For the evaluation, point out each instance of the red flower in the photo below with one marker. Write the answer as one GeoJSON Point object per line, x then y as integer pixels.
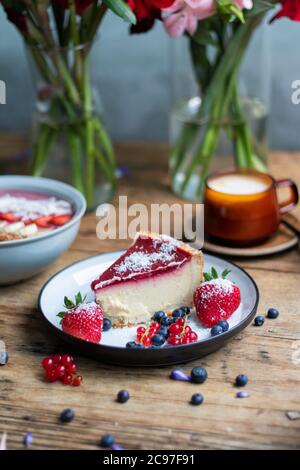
{"type": "Point", "coordinates": [289, 9]}
{"type": "Point", "coordinates": [17, 18]}
{"type": "Point", "coordinates": [146, 12]}
{"type": "Point", "coordinates": [80, 5]}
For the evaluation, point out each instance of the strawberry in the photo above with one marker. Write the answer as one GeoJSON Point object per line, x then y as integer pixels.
{"type": "Point", "coordinates": [216, 299]}
{"type": "Point", "coordinates": [60, 220]}
{"type": "Point", "coordinates": [9, 217]}
{"type": "Point", "coordinates": [83, 320]}
{"type": "Point", "coordinates": [43, 221]}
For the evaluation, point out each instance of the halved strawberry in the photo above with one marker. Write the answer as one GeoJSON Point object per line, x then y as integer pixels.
{"type": "Point", "coordinates": [60, 220]}
{"type": "Point", "coordinates": [9, 217]}
{"type": "Point", "coordinates": [44, 221]}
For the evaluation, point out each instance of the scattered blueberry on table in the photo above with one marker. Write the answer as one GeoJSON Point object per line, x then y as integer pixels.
{"type": "Point", "coordinates": [242, 394]}
{"type": "Point", "coordinates": [3, 358]}
{"type": "Point", "coordinates": [199, 375]}
{"type": "Point", "coordinates": [216, 330]}
{"type": "Point", "coordinates": [180, 375]}
{"type": "Point", "coordinates": [28, 439]}
{"type": "Point", "coordinates": [123, 396]}
{"type": "Point", "coordinates": [259, 320]}
{"type": "Point", "coordinates": [106, 324]}
{"type": "Point", "coordinates": [272, 313]}
{"type": "Point", "coordinates": [107, 441]}
{"type": "Point", "coordinates": [197, 399]}
{"type": "Point", "coordinates": [67, 415]}
{"type": "Point", "coordinates": [116, 447]}
{"type": "Point", "coordinates": [241, 380]}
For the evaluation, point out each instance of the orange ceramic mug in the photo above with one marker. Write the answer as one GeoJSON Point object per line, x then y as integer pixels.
{"type": "Point", "coordinates": [241, 207]}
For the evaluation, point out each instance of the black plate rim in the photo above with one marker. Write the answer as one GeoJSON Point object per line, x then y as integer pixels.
{"type": "Point", "coordinates": [89, 347]}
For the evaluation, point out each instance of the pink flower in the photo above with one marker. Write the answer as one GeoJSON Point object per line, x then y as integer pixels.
{"type": "Point", "coordinates": [183, 15]}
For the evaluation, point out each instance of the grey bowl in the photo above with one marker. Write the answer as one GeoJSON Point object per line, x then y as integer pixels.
{"type": "Point", "coordinates": [21, 259]}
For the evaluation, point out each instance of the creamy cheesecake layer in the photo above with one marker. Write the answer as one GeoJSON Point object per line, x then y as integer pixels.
{"type": "Point", "coordinates": [130, 303]}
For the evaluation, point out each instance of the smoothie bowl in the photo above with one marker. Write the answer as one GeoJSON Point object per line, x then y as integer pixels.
{"type": "Point", "coordinates": [39, 219]}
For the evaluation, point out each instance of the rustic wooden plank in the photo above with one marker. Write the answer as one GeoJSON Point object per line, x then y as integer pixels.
{"type": "Point", "coordinates": [158, 415]}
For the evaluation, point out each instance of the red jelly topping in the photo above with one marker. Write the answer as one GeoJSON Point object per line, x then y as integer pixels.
{"type": "Point", "coordinates": [145, 258]}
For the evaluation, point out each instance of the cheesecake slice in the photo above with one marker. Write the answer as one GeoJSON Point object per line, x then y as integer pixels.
{"type": "Point", "coordinates": [156, 273]}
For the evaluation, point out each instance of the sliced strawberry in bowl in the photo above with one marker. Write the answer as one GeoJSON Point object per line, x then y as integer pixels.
{"type": "Point", "coordinates": [59, 220]}
{"type": "Point", "coordinates": [44, 221]}
{"type": "Point", "coordinates": [9, 217]}
{"type": "Point", "coordinates": [216, 299]}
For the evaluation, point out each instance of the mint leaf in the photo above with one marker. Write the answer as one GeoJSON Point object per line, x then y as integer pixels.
{"type": "Point", "coordinates": [225, 273]}
{"type": "Point", "coordinates": [68, 303]}
{"type": "Point", "coordinates": [207, 276]}
{"type": "Point", "coordinates": [214, 273]}
{"type": "Point", "coordinates": [61, 314]}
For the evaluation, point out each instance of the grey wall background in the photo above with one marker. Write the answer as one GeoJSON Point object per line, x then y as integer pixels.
{"type": "Point", "coordinates": [134, 77]}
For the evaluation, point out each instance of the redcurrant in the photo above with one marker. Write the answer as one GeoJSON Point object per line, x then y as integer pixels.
{"type": "Point", "coordinates": [77, 381]}
{"type": "Point", "coordinates": [56, 358]}
{"type": "Point", "coordinates": [59, 371]}
{"type": "Point", "coordinates": [67, 379]}
{"type": "Point", "coordinates": [147, 340]}
{"type": "Point", "coordinates": [193, 336]}
{"type": "Point", "coordinates": [174, 329]}
{"type": "Point", "coordinates": [188, 329]}
{"type": "Point", "coordinates": [72, 368]}
{"type": "Point", "coordinates": [50, 375]}
{"type": "Point", "coordinates": [66, 359]}
{"type": "Point", "coordinates": [140, 330]}
{"type": "Point", "coordinates": [180, 321]}
{"type": "Point", "coordinates": [47, 363]}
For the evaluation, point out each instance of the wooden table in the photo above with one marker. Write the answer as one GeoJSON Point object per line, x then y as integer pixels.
{"type": "Point", "coordinates": [158, 415]}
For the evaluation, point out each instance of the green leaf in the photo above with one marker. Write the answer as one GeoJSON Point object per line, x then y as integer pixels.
{"type": "Point", "coordinates": [78, 298]}
{"type": "Point", "coordinates": [225, 273]}
{"type": "Point", "coordinates": [204, 38]}
{"type": "Point", "coordinates": [121, 9]}
{"type": "Point", "coordinates": [214, 273]}
{"type": "Point", "coordinates": [68, 303]}
{"type": "Point", "coordinates": [207, 277]}
{"type": "Point", "coordinates": [259, 7]}
{"type": "Point", "coordinates": [61, 314]}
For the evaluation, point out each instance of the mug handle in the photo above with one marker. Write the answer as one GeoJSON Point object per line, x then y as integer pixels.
{"type": "Point", "coordinates": [293, 200]}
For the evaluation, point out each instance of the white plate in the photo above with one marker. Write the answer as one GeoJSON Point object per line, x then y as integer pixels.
{"type": "Point", "coordinates": [79, 276]}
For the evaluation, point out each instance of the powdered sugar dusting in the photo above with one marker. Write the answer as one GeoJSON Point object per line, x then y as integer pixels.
{"type": "Point", "coordinates": [31, 209]}
{"type": "Point", "coordinates": [142, 261]}
{"type": "Point", "coordinates": [90, 308]}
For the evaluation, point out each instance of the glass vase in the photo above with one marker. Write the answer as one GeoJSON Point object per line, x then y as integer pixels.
{"type": "Point", "coordinates": [219, 119]}
{"type": "Point", "coordinates": [69, 139]}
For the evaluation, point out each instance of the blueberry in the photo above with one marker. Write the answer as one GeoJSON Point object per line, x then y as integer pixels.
{"type": "Point", "coordinates": [187, 310]}
{"type": "Point", "coordinates": [67, 415]}
{"type": "Point", "coordinates": [106, 324]}
{"type": "Point", "coordinates": [123, 396]}
{"type": "Point", "coordinates": [131, 345]}
{"type": "Point", "coordinates": [167, 321]}
{"type": "Point", "coordinates": [158, 316]}
{"type": "Point", "coordinates": [158, 340]}
{"type": "Point", "coordinates": [139, 346]}
{"type": "Point", "coordinates": [197, 399]}
{"type": "Point", "coordinates": [107, 440]}
{"type": "Point", "coordinates": [272, 313]}
{"type": "Point", "coordinates": [199, 375]}
{"type": "Point", "coordinates": [216, 330]}
{"type": "Point", "coordinates": [241, 380]}
{"type": "Point", "coordinates": [163, 331]}
{"type": "Point", "coordinates": [242, 394]}
{"type": "Point", "coordinates": [224, 325]}
{"type": "Point", "coordinates": [259, 321]}
{"type": "Point", "coordinates": [178, 313]}
{"type": "Point", "coordinates": [3, 358]}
